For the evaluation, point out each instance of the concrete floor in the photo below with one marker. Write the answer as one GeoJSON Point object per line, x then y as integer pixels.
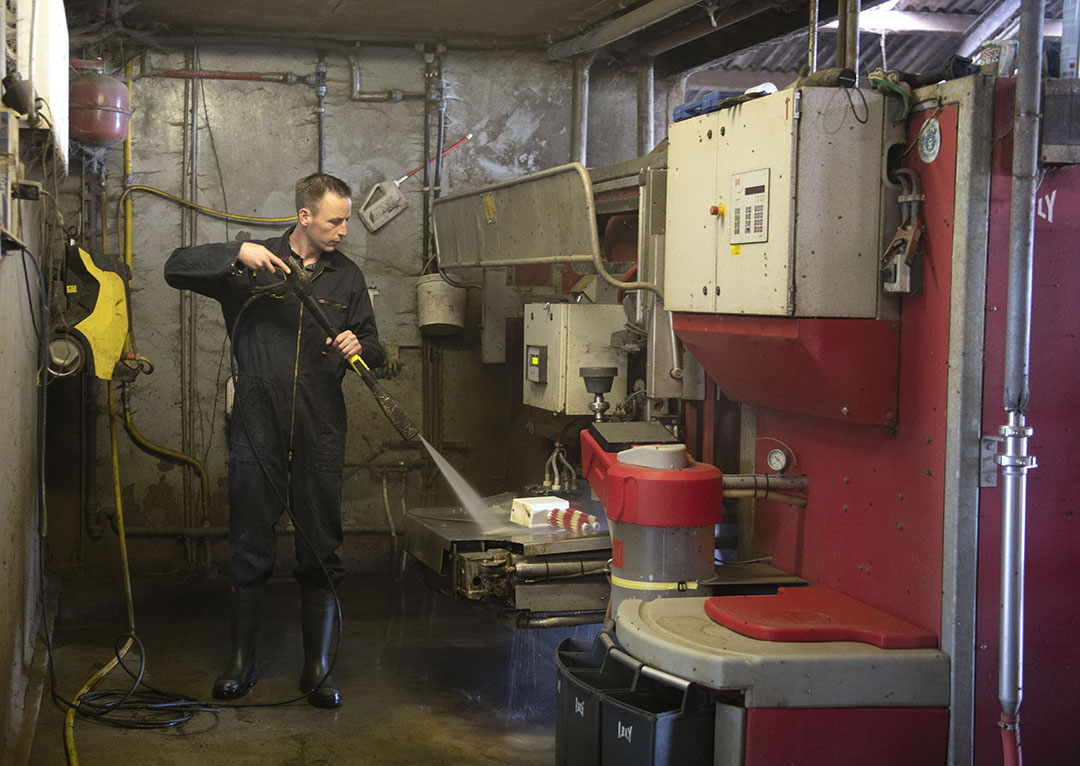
{"type": "Point", "coordinates": [425, 680]}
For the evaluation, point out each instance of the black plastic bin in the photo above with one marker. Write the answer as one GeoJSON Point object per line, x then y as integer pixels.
{"type": "Point", "coordinates": [657, 725]}
{"type": "Point", "coordinates": [585, 674]}
{"type": "Point", "coordinates": [612, 710]}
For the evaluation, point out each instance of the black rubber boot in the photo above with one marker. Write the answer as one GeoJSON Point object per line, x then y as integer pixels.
{"type": "Point", "coordinates": [240, 674]}
{"type": "Point", "coordinates": [317, 620]}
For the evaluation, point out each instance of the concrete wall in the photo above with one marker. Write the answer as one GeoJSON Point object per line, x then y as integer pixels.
{"type": "Point", "coordinates": [254, 141]}
{"type": "Point", "coordinates": [19, 513]}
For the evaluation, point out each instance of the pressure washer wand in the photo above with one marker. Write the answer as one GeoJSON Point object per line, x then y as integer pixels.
{"type": "Point", "coordinates": [297, 279]}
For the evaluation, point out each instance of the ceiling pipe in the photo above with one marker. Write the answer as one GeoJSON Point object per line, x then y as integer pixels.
{"type": "Point", "coordinates": [646, 106]}
{"type": "Point", "coordinates": [579, 110]}
{"type": "Point", "coordinates": [1014, 459]}
{"type": "Point", "coordinates": [287, 78]}
{"type": "Point", "coordinates": [618, 28]}
{"type": "Point", "coordinates": [811, 53]}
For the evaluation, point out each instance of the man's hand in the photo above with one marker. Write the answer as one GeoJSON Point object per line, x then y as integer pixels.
{"type": "Point", "coordinates": [347, 344]}
{"type": "Point", "coordinates": [257, 258]}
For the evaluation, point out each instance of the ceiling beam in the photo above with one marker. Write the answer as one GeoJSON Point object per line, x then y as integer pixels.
{"type": "Point", "coordinates": [617, 28]}
{"type": "Point", "coordinates": [921, 23]}
{"type": "Point", "coordinates": [900, 22]}
{"type": "Point", "coordinates": [766, 26]}
{"type": "Point", "coordinates": [989, 22]}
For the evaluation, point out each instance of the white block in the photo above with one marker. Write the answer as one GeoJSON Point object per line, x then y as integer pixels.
{"type": "Point", "coordinates": [533, 511]}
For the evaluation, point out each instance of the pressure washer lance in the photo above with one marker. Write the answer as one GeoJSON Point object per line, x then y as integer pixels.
{"type": "Point", "coordinates": [298, 280]}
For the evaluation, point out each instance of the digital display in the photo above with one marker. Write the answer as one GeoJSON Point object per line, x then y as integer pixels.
{"type": "Point", "coordinates": [754, 190]}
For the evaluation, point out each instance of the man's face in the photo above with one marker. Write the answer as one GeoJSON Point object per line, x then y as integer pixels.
{"type": "Point", "coordinates": [325, 228]}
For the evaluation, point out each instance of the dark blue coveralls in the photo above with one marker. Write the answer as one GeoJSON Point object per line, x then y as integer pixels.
{"type": "Point", "coordinates": [289, 410]}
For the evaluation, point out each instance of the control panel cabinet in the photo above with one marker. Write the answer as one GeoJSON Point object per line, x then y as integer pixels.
{"type": "Point", "coordinates": [778, 206]}
{"type": "Point", "coordinates": [560, 339]}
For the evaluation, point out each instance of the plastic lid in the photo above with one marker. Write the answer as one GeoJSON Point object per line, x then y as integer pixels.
{"type": "Point", "coordinates": [815, 613]}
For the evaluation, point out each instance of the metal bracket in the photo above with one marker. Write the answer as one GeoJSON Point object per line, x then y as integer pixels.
{"type": "Point", "coordinates": [988, 449]}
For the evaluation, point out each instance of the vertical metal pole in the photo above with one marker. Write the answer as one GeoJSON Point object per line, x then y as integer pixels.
{"type": "Point", "coordinates": [320, 110]}
{"type": "Point", "coordinates": [646, 106]}
{"type": "Point", "coordinates": [579, 110]}
{"type": "Point", "coordinates": [841, 33]}
{"type": "Point", "coordinates": [1014, 460]}
{"type": "Point", "coordinates": [851, 37]}
{"type": "Point", "coordinates": [811, 63]}
{"type": "Point", "coordinates": [188, 323]}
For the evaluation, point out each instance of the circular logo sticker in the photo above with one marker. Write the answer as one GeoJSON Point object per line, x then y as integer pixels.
{"type": "Point", "coordinates": [929, 141]}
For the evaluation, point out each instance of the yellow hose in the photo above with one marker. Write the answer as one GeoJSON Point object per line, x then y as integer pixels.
{"type": "Point", "coordinates": [69, 719]}
{"type": "Point", "coordinates": [125, 203]}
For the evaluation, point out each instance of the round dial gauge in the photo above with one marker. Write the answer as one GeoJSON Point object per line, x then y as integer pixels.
{"type": "Point", "coordinates": [777, 460]}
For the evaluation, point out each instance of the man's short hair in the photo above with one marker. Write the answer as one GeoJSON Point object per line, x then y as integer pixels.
{"type": "Point", "coordinates": [310, 190]}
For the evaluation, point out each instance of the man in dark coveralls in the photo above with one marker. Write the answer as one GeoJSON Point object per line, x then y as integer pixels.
{"type": "Point", "coordinates": [287, 441]}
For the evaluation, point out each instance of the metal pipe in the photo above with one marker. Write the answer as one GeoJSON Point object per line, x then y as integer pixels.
{"type": "Point", "coordinates": [851, 37]}
{"type": "Point", "coordinates": [811, 63]}
{"type": "Point", "coordinates": [531, 569]}
{"type": "Point", "coordinates": [440, 133]}
{"type": "Point", "coordinates": [223, 531]}
{"type": "Point", "coordinates": [287, 78]}
{"type": "Point", "coordinates": [640, 667]}
{"type": "Point", "coordinates": [532, 622]}
{"type": "Point", "coordinates": [841, 33]}
{"type": "Point", "coordinates": [646, 106]}
{"type": "Point", "coordinates": [392, 96]}
{"type": "Point", "coordinates": [777, 497]}
{"type": "Point", "coordinates": [579, 110]}
{"type": "Point", "coordinates": [31, 115]}
{"type": "Point", "coordinates": [764, 481]}
{"type": "Point", "coordinates": [534, 261]}
{"type": "Point", "coordinates": [320, 110]}
{"type": "Point", "coordinates": [184, 532]}
{"type": "Point", "coordinates": [1014, 460]}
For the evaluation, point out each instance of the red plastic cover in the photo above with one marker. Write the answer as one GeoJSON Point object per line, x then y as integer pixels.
{"type": "Point", "coordinates": [815, 613]}
{"type": "Point", "coordinates": [651, 497]}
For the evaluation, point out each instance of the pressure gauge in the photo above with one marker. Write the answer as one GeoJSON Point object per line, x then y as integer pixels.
{"type": "Point", "coordinates": [777, 460]}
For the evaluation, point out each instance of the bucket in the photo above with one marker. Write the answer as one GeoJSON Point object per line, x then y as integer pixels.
{"type": "Point", "coordinates": [440, 307]}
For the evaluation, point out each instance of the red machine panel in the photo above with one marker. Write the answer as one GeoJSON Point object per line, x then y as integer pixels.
{"type": "Point", "coordinates": [873, 526]}
{"type": "Point", "coordinates": [843, 369]}
{"type": "Point", "coordinates": [902, 736]}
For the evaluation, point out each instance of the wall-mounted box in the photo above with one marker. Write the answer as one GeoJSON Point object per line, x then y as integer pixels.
{"type": "Point", "coordinates": [778, 206]}
{"type": "Point", "coordinates": [560, 339]}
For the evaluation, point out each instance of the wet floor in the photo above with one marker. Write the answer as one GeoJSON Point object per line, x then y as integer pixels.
{"type": "Point", "coordinates": [425, 679]}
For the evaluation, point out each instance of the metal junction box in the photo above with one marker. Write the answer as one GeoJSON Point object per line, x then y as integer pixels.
{"type": "Point", "coordinates": [560, 339]}
{"type": "Point", "coordinates": [778, 207]}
